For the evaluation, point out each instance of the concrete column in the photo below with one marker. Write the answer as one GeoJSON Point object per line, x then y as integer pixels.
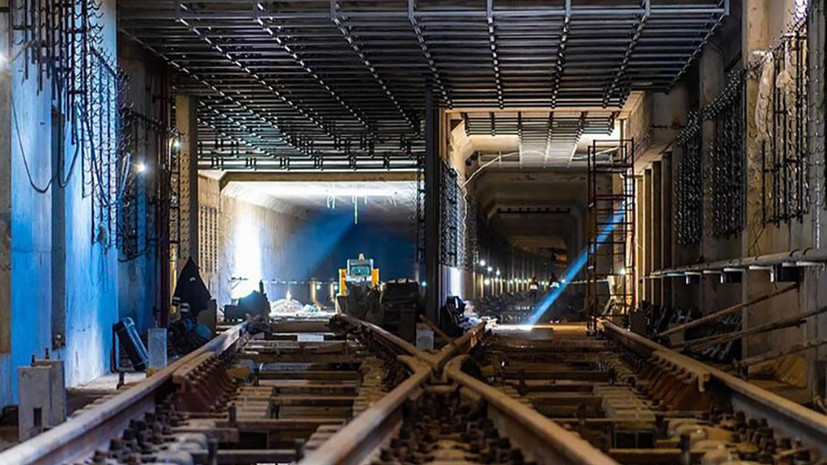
{"type": "Point", "coordinates": [432, 207]}
{"type": "Point", "coordinates": [185, 121]}
{"type": "Point", "coordinates": [640, 239]}
{"type": "Point", "coordinates": [648, 239]}
{"type": "Point", "coordinates": [5, 186]}
{"type": "Point", "coordinates": [816, 284]}
{"type": "Point", "coordinates": [666, 227]}
{"type": "Point", "coordinates": [683, 295]}
{"type": "Point", "coordinates": [756, 37]}
{"type": "Point", "coordinates": [711, 67]}
{"type": "Point", "coordinates": [657, 224]}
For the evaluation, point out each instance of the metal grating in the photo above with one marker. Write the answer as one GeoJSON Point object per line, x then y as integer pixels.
{"type": "Point", "coordinates": [543, 137]}
{"type": "Point", "coordinates": [329, 84]}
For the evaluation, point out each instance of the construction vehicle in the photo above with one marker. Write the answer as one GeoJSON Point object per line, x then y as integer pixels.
{"type": "Point", "coordinates": [359, 290]}
{"type": "Point", "coordinates": [359, 273]}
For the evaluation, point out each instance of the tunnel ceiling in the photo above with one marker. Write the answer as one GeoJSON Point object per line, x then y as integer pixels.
{"type": "Point", "coordinates": [540, 211]}
{"type": "Point", "coordinates": [392, 203]}
{"type": "Point", "coordinates": [340, 84]}
{"type": "Point", "coordinates": [544, 138]}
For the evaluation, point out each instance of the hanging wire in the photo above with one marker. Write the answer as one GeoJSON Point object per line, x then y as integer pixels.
{"type": "Point", "coordinates": [61, 43]}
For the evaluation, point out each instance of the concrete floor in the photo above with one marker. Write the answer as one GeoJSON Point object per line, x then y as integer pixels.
{"type": "Point", "coordinates": [108, 382]}
{"type": "Point", "coordinates": [77, 397]}
{"type": "Point", "coordinates": [81, 395]}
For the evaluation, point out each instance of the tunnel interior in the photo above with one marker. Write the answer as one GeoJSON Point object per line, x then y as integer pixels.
{"type": "Point", "coordinates": [425, 166]}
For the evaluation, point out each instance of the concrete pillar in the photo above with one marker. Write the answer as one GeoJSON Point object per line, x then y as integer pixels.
{"type": "Point", "coordinates": [432, 207]}
{"type": "Point", "coordinates": [648, 242]}
{"type": "Point", "coordinates": [666, 227]}
{"type": "Point", "coordinates": [711, 66]}
{"type": "Point", "coordinates": [657, 224]}
{"type": "Point", "coordinates": [684, 296]}
{"type": "Point", "coordinates": [640, 239]}
{"type": "Point", "coordinates": [185, 121]}
{"type": "Point", "coordinates": [756, 37]}
{"type": "Point", "coordinates": [5, 185]}
{"type": "Point", "coordinates": [816, 284]}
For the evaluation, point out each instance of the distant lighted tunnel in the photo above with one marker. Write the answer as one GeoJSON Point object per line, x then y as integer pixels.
{"type": "Point", "coordinates": [573, 269]}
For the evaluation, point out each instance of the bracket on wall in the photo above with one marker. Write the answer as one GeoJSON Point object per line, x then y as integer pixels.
{"type": "Point", "coordinates": [732, 275]}
{"type": "Point", "coordinates": [693, 277]}
{"type": "Point", "coordinates": [786, 274]}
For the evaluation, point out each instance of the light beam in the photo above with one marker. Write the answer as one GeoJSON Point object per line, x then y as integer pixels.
{"type": "Point", "coordinates": [573, 269]}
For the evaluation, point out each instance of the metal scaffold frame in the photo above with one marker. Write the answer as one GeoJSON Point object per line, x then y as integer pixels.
{"type": "Point", "coordinates": [610, 237]}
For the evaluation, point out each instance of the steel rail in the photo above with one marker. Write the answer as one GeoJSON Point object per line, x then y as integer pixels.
{"type": "Point", "coordinates": [387, 339]}
{"type": "Point", "coordinates": [83, 434]}
{"type": "Point", "coordinates": [544, 440]}
{"type": "Point", "coordinates": [782, 414]}
{"type": "Point", "coordinates": [362, 436]}
{"type": "Point", "coordinates": [460, 346]}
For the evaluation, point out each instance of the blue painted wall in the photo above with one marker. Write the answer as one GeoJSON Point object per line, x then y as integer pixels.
{"type": "Point", "coordinates": [391, 248]}
{"type": "Point", "coordinates": [91, 304]}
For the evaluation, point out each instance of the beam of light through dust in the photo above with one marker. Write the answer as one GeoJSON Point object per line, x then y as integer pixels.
{"type": "Point", "coordinates": [573, 269]}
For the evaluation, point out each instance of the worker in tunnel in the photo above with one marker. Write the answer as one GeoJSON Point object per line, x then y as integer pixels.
{"type": "Point", "coordinates": [533, 288]}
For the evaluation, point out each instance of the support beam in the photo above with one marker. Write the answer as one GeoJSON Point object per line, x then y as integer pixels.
{"type": "Point", "coordinates": [666, 227]}
{"type": "Point", "coordinates": [560, 64]}
{"type": "Point", "coordinates": [344, 30]}
{"type": "Point", "coordinates": [270, 29]}
{"type": "Point", "coordinates": [495, 58]}
{"type": "Point", "coordinates": [640, 241]}
{"type": "Point", "coordinates": [648, 239]}
{"type": "Point", "coordinates": [756, 37]}
{"type": "Point", "coordinates": [426, 52]}
{"type": "Point", "coordinates": [657, 225]}
{"type": "Point", "coordinates": [186, 122]}
{"type": "Point", "coordinates": [618, 84]}
{"type": "Point", "coordinates": [320, 176]}
{"type": "Point", "coordinates": [432, 207]}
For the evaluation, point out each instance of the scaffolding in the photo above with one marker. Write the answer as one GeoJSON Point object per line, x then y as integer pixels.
{"type": "Point", "coordinates": [610, 265]}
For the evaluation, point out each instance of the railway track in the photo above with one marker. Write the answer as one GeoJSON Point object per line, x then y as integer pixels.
{"type": "Point", "coordinates": [348, 392]}
{"type": "Point", "coordinates": [578, 399]}
{"type": "Point", "coordinates": [262, 394]}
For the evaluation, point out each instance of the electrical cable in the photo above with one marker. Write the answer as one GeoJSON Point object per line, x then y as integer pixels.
{"type": "Point", "coordinates": [38, 189]}
{"type": "Point", "coordinates": [489, 163]}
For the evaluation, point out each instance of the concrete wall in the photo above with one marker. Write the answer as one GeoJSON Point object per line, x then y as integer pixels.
{"type": "Point", "coordinates": [43, 225]}
{"type": "Point", "coordinates": [138, 277]}
{"type": "Point", "coordinates": [262, 239]}
{"type": "Point", "coordinates": [753, 26]}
